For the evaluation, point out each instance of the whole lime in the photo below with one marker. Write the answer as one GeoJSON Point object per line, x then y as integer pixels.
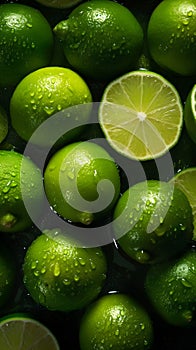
{"type": "Point", "coordinates": [171, 36]}
{"type": "Point", "coordinates": [61, 276]}
{"type": "Point", "coordinates": [26, 42]}
{"type": "Point", "coordinates": [82, 182]}
{"type": "Point", "coordinates": [43, 93]}
{"type": "Point", "coordinates": [116, 321]}
{"type": "Point", "coordinates": [20, 183]}
{"type": "Point", "coordinates": [101, 39]}
{"type": "Point", "coordinates": [153, 221]}
{"type": "Point", "coordinates": [171, 288]}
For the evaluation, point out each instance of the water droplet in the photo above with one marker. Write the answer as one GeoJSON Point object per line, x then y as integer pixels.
{"type": "Point", "coordinates": [93, 266]}
{"type": "Point", "coordinates": [82, 261]}
{"type": "Point", "coordinates": [117, 332]}
{"type": "Point", "coordinates": [186, 283]}
{"type": "Point", "coordinates": [34, 265]}
{"type": "Point", "coordinates": [36, 273]}
{"type": "Point", "coordinates": [33, 45]}
{"type": "Point", "coordinates": [185, 22]}
{"type": "Point", "coordinates": [29, 25]}
{"type": "Point", "coordinates": [142, 325]}
{"type": "Point", "coordinates": [57, 270]}
{"type": "Point", "coordinates": [13, 184]}
{"type": "Point", "coordinates": [66, 282]}
{"type": "Point", "coordinates": [6, 189]}
{"type": "Point", "coordinates": [76, 278]}
{"type": "Point", "coordinates": [43, 270]}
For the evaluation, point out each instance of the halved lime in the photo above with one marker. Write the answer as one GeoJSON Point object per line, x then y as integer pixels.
{"type": "Point", "coordinates": [190, 113]}
{"type": "Point", "coordinates": [186, 182]}
{"type": "Point", "coordinates": [18, 332]}
{"type": "Point", "coordinates": [141, 115]}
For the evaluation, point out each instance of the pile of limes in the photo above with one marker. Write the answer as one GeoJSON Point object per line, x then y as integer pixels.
{"type": "Point", "coordinates": [97, 174]}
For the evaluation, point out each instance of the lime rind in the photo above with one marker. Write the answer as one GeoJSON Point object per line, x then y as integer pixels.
{"type": "Point", "coordinates": [141, 115]}
{"type": "Point", "coordinates": [186, 181]}
{"type": "Point", "coordinates": [190, 114]}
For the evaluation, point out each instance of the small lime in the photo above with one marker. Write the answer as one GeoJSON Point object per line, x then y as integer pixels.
{"type": "Point", "coordinates": [153, 221]}
{"type": "Point", "coordinates": [82, 182]}
{"type": "Point", "coordinates": [171, 36]}
{"type": "Point", "coordinates": [61, 276]}
{"type": "Point", "coordinates": [26, 42]}
{"type": "Point", "coordinates": [101, 39]}
{"type": "Point", "coordinates": [116, 321]}
{"type": "Point", "coordinates": [43, 93]}
{"type": "Point", "coordinates": [185, 180]}
{"type": "Point", "coordinates": [20, 180]}
{"type": "Point", "coordinates": [171, 288]}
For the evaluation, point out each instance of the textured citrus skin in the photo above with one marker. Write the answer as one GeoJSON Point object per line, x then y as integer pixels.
{"type": "Point", "coordinates": [76, 176]}
{"type": "Point", "coordinates": [59, 3]}
{"type": "Point", "coordinates": [171, 288]}
{"type": "Point", "coordinates": [61, 276]}
{"type": "Point", "coordinates": [26, 42]}
{"type": "Point", "coordinates": [171, 36]}
{"type": "Point", "coordinates": [155, 219]}
{"type": "Point", "coordinates": [118, 322]}
{"type": "Point", "coordinates": [20, 179]}
{"type": "Point", "coordinates": [101, 39]}
{"type": "Point", "coordinates": [43, 93]}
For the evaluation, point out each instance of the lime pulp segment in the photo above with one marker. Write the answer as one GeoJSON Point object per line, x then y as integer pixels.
{"type": "Point", "coordinates": [141, 115]}
{"type": "Point", "coordinates": [19, 333]}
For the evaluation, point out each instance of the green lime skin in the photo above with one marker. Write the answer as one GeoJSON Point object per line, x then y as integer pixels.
{"type": "Point", "coordinates": [43, 93]}
{"type": "Point", "coordinates": [171, 289]}
{"type": "Point", "coordinates": [61, 4]}
{"type": "Point", "coordinates": [62, 276]}
{"type": "Point", "coordinates": [82, 182]}
{"type": "Point", "coordinates": [7, 275]}
{"type": "Point", "coordinates": [116, 321]}
{"type": "Point", "coordinates": [3, 124]}
{"type": "Point", "coordinates": [171, 36]}
{"type": "Point", "coordinates": [26, 42]}
{"type": "Point", "coordinates": [101, 39]}
{"type": "Point", "coordinates": [153, 221]}
{"type": "Point", "coordinates": [20, 190]}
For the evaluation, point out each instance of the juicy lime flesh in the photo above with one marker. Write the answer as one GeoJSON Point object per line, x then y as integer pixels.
{"type": "Point", "coordinates": [19, 333]}
{"type": "Point", "coordinates": [186, 181]}
{"type": "Point", "coordinates": [141, 115]}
